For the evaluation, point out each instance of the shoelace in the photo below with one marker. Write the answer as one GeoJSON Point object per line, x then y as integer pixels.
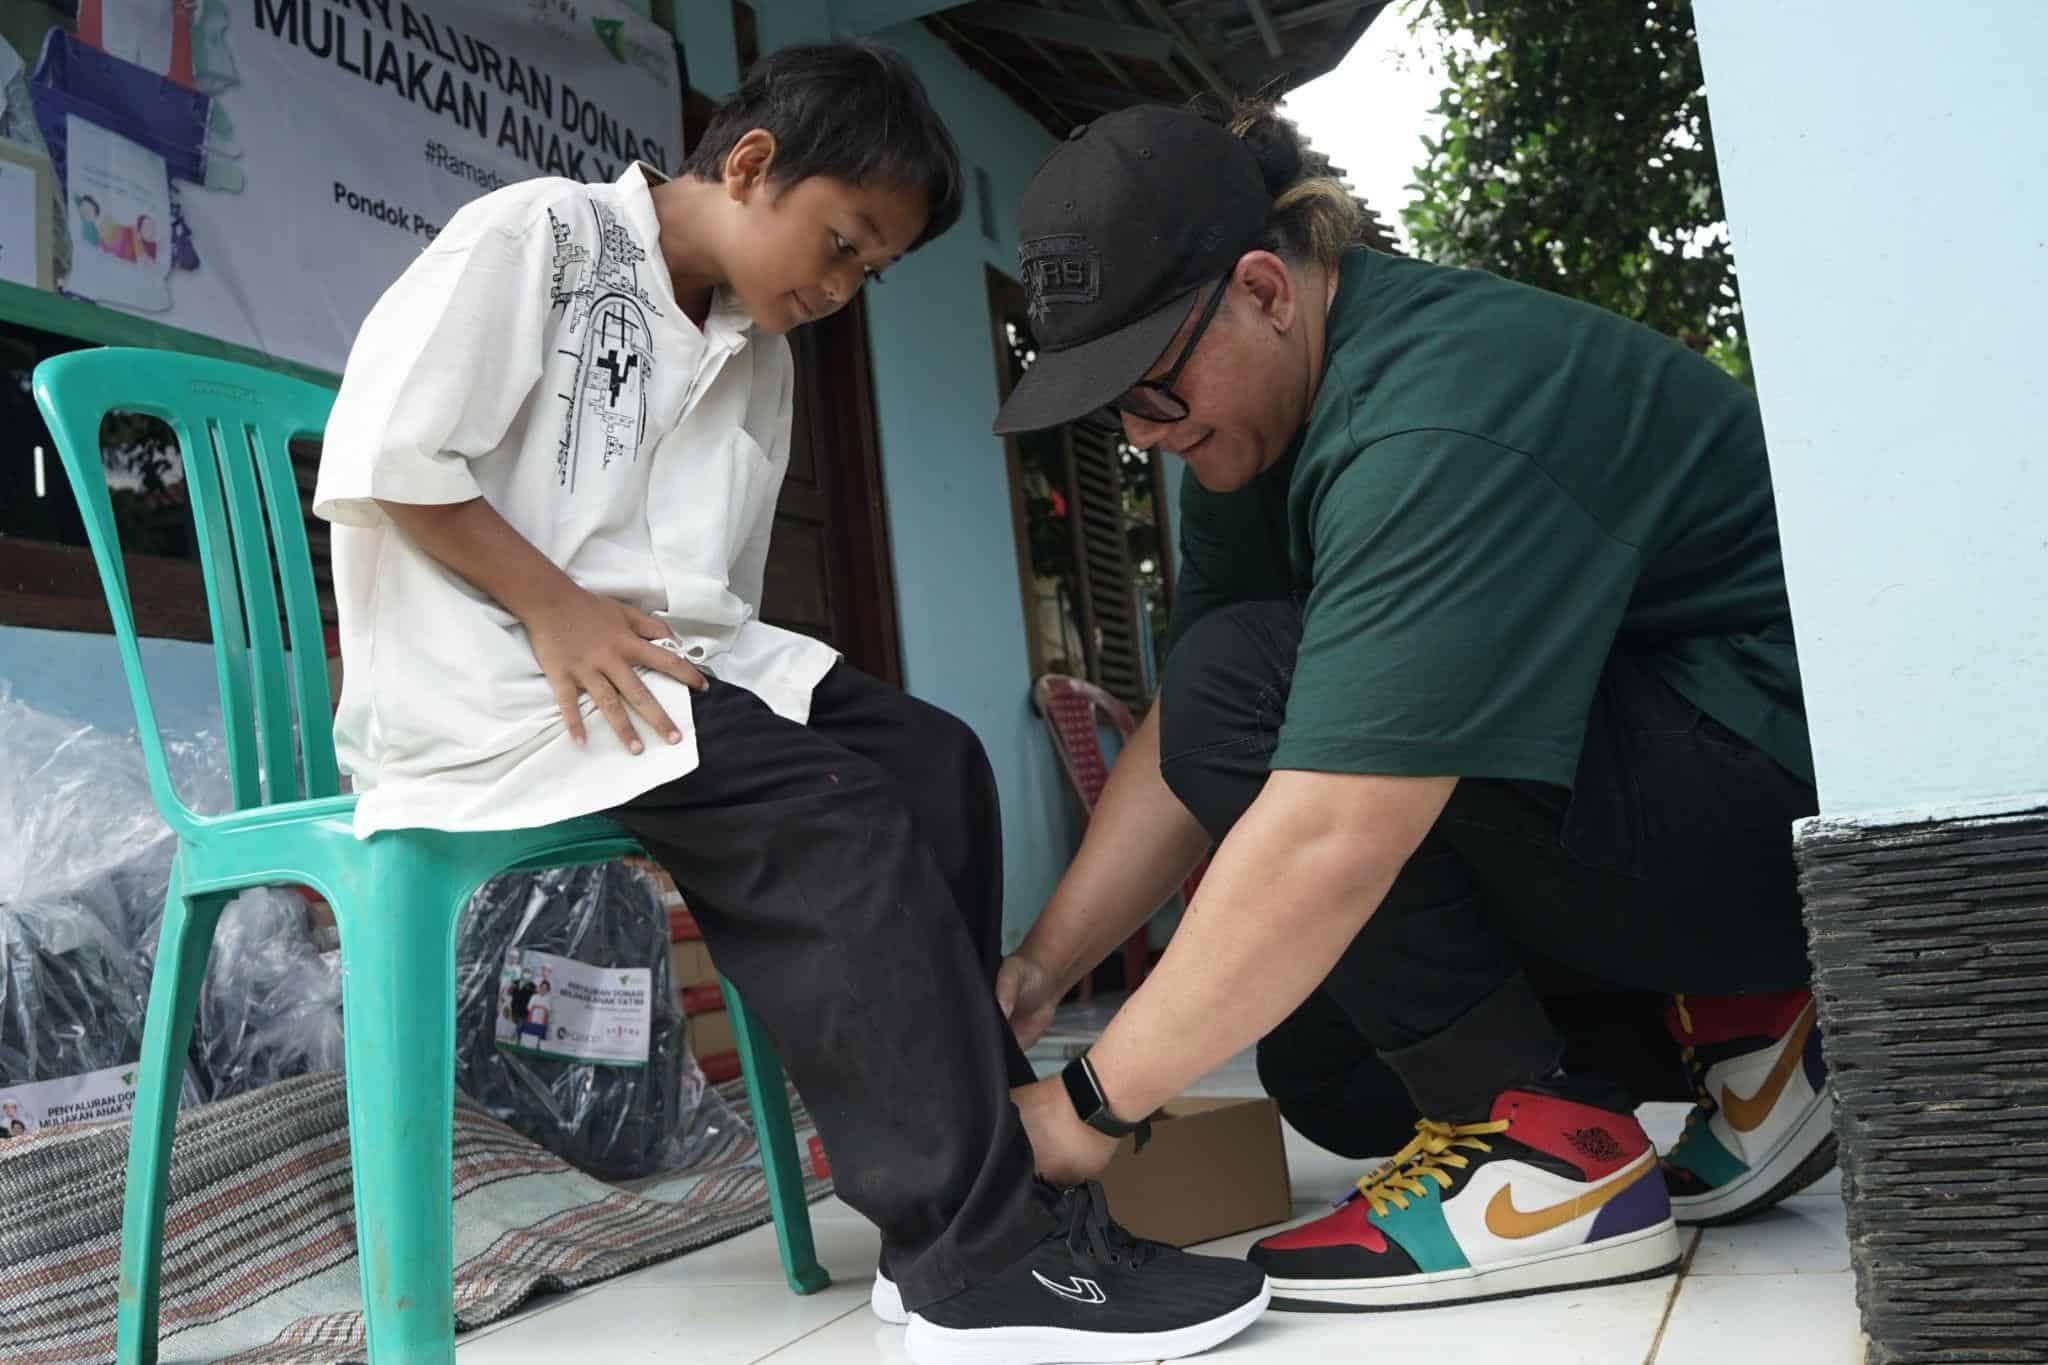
{"type": "Point", "coordinates": [1433, 1149]}
{"type": "Point", "coordinates": [1703, 1099]}
{"type": "Point", "coordinates": [1091, 1231]}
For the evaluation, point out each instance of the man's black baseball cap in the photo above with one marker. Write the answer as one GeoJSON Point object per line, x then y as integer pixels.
{"type": "Point", "coordinates": [1123, 225]}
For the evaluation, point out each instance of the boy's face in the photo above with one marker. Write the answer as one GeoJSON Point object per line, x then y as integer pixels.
{"type": "Point", "coordinates": [804, 249]}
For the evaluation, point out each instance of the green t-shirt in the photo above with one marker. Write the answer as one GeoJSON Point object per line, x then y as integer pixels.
{"type": "Point", "coordinates": [1498, 488]}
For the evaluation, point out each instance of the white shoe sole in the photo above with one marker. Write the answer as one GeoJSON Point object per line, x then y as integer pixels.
{"type": "Point", "coordinates": [1761, 1181]}
{"type": "Point", "coordinates": [930, 1344]}
{"type": "Point", "coordinates": [1612, 1260]}
{"type": "Point", "coordinates": [887, 1302]}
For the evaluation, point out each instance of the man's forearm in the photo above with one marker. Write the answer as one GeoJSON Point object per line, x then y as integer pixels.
{"type": "Point", "coordinates": [1140, 843]}
{"type": "Point", "coordinates": [1287, 892]}
{"type": "Point", "coordinates": [473, 540]}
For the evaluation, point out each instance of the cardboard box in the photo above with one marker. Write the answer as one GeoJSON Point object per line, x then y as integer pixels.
{"type": "Point", "coordinates": [711, 1034]}
{"type": "Point", "coordinates": [1214, 1167]}
{"type": "Point", "coordinates": [690, 965]}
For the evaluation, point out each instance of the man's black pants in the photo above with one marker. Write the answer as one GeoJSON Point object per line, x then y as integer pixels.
{"type": "Point", "coordinates": [848, 878]}
{"type": "Point", "coordinates": [1667, 868]}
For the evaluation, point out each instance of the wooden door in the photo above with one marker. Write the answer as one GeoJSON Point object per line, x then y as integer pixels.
{"type": "Point", "coordinates": [828, 571]}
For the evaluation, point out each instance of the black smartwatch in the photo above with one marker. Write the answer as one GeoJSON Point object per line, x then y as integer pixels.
{"type": "Point", "coordinates": [1085, 1092]}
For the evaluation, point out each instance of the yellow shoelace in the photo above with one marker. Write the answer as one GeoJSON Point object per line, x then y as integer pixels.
{"type": "Point", "coordinates": [1704, 1100]}
{"type": "Point", "coordinates": [1426, 1157]}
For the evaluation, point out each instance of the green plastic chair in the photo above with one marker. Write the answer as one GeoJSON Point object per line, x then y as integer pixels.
{"type": "Point", "coordinates": [396, 896]}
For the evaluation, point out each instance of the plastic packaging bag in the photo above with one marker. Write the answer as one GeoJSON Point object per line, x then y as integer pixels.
{"type": "Point", "coordinates": [271, 1006]}
{"type": "Point", "coordinates": [68, 1000]}
{"type": "Point", "coordinates": [532, 952]}
{"type": "Point", "coordinates": [80, 820]}
{"type": "Point", "coordinates": [84, 871]}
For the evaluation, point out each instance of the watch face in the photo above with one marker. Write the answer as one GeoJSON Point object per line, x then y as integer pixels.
{"type": "Point", "coordinates": [1081, 1091]}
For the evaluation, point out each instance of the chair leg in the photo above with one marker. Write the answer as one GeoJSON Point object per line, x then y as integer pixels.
{"type": "Point", "coordinates": [776, 1133]}
{"type": "Point", "coordinates": [398, 1034]}
{"type": "Point", "coordinates": [183, 944]}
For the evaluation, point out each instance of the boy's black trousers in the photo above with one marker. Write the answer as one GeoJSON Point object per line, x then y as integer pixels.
{"type": "Point", "coordinates": [848, 878]}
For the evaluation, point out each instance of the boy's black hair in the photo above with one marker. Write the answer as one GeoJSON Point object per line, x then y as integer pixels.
{"type": "Point", "coordinates": [853, 111]}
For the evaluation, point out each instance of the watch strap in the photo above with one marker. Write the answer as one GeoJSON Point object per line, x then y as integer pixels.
{"type": "Point", "coordinates": [1085, 1092]}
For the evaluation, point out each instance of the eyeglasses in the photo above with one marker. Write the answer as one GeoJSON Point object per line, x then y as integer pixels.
{"type": "Point", "coordinates": [1154, 400]}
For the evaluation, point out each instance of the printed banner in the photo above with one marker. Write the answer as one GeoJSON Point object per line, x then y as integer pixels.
{"type": "Point", "coordinates": [260, 170]}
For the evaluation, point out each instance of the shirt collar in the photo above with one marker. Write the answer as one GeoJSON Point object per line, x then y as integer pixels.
{"type": "Point", "coordinates": [727, 324]}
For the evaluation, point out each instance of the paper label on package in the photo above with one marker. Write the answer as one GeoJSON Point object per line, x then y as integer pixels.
{"type": "Point", "coordinates": [94, 1097]}
{"type": "Point", "coordinates": [557, 1007]}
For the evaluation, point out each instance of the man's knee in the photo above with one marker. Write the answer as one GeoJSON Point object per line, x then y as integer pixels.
{"type": "Point", "coordinates": [1222, 699]}
{"type": "Point", "coordinates": [1233, 668]}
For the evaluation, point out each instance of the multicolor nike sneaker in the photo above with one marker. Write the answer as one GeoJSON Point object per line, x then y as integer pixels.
{"type": "Point", "coordinates": [1547, 1194]}
{"type": "Point", "coordinates": [1763, 1126]}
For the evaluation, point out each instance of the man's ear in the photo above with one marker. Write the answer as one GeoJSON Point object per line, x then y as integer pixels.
{"type": "Point", "coordinates": [1271, 285]}
{"type": "Point", "coordinates": [747, 164]}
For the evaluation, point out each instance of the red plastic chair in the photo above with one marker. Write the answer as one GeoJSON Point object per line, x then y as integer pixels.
{"type": "Point", "coordinates": [1071, 707]}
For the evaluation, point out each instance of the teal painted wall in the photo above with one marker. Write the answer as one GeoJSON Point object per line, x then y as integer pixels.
{"type": "Point", "coordinates": [1893, 266]}
{"type": "Point", "coordinates": [78, 676]}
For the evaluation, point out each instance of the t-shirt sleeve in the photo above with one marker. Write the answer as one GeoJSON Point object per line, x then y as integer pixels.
{"type": "Point", "coordinates": [1463, 608]}
{"type": "Point", "coordinates": [439, 370]}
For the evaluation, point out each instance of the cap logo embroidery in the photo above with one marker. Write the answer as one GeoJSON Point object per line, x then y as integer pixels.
{"type": "Point", "coordinates": [1060, 269]}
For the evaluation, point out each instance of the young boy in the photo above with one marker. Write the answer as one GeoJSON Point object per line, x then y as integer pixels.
{"type": "Point", "coordinates": [552, 470]}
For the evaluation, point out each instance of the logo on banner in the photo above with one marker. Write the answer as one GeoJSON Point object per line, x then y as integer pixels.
{"type": "Point", "coordinates": [625, 48]}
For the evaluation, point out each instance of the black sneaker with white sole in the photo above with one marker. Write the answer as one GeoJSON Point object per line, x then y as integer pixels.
{"type": "Point", "coordinates": [1091, 1292]}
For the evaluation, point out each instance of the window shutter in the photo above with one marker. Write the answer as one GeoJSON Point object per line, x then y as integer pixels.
{"type": "Point", "coordinates": [1108, 600]}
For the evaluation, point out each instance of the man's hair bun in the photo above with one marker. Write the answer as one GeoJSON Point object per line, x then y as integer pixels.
{"type": "Point", "coordinates": [1273, 143]}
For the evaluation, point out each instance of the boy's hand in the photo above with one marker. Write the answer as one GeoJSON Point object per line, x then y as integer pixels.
{"type": "Point", "coordinates": [1027, 995]}
{"type": "Point", "coordinates": [587, 643]}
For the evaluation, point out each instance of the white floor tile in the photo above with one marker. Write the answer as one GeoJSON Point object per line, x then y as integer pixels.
{"type": "Point", "coordinates": [1593, 1327]}
{"type": "Point", "coordinates": [834, 1207]}
{"type": "Point", "coordinates": [1798, 1237]}
{"type": "Point", "coordinates": [846, 1247]}
{"type": "Point", "coordinates": [858, 1338]}
{"type": "Point", "coordinates": [1764, 1320]}
{"type": "Point", "coordinates": [717, 1325]}
{"type": "Point", "coordinates": [534, 1307]}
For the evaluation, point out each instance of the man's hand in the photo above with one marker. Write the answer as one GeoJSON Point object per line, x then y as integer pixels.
{"type": "Point", "coordinates": [587, 643]}
{"type": "Point", "coordinates": [1028, 996]}
{"type": "Point", "coordinates": [1066, 1150]}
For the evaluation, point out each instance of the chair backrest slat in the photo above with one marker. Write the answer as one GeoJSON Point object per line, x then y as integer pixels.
{"type": "Point", "coordinates": [234, 425]}
{"type": "Point", "coordinates": [301, 601]}
{"type": "Point", "coordinates": [203, 484]}
{"type": "Point", "coordinates": [234, 445]}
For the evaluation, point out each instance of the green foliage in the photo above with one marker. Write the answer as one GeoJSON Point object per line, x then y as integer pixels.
{"type": "Point", "coordinates": [1576, 156]}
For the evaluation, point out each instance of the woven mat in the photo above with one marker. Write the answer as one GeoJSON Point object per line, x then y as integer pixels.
{"type": "Point", "coordinates": [259, 1255]}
